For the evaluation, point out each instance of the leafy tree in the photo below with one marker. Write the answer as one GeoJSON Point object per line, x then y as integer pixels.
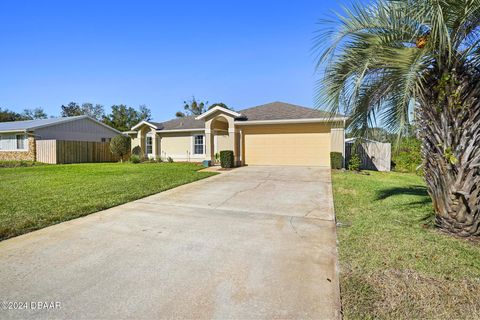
{"type": "Point", "coordinates": [120, 146]}
{"type": "Point", "coordinates": [37, 113]}
{"type": "Point", "coordinates": [192, 108]}
{"type": "Point", "coordinates": [195, 108]}
{"type": "Point", "coordinates": [8, 115]}
{"type": "Point", "coordinates": [407, 156]}
{"type": "Point", "coordinates": [123, 118]}
{"type": "Point", "coordinates": [94, 111]}
{"type": "Point", "coordinates": [144, 113]}
{"type": "Point", "coordinates": [354, 163]}
{"type": "Point", "coordinates": [87, 108]}
{"type": "Point", "coordinates": [219, 104]}
{"type": "Point", "coordinates": [71, 110]}
{"type": "Point", "coordinates": [388, 57]}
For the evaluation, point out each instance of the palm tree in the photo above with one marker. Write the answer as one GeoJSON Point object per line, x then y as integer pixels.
{"type": "Point", "coordinates": [386, 59]}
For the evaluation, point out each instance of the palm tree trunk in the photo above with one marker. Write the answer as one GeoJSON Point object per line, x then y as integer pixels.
{"type": "Point", "coordinates": [449, 116]}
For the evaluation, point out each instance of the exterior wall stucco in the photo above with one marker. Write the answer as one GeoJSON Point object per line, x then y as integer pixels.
{"type": "Point", "coordinates": [135, 143]}
{"type": "Point", "coordinates": [176, 146]}
{"type": "Point", "coordinates": [222, 142]}
{"type": "Point", "coordinates": [220, 125]}
{"type": "Point", "coordinates": [28, 155]}
{"type": "Point", "coordinates": [179, 146]}
{"type": "Point", "coordinates": [337, 139]}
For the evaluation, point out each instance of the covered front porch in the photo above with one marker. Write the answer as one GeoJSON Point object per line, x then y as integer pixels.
{"type": "Point", "coordinates": [221, 134]}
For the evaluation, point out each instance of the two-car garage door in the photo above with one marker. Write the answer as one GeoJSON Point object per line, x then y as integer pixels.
{"type": "Point", "coordinates": [299, 144]}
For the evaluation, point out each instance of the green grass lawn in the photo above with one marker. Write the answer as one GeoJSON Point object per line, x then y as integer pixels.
{"type": "Point", "coordinates": [35, 197]}
{"type": "Point", "coordinates": [394, 264]}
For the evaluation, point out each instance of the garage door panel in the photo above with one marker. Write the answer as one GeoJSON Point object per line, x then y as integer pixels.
{"type": "Point", "coordinates": [309, 148]}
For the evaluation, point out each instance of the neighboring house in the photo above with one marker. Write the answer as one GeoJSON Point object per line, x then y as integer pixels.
{"type": "Point", "coordinates": [18, 138]}
{"type": "Point", "coordinates": [271, 134]}
{"type": "Point", "coordinates": [375, 155]}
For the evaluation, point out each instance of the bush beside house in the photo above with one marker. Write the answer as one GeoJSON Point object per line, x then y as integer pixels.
{"type": "Point", "coordinates": [336, 160]}
{"type": "Point", "coordinates": [120, 146]}
{"type": "Point", "coordinates": [226, 159]}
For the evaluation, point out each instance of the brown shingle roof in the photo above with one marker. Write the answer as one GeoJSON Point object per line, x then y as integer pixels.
{"type": "Point", "coordinates": [282, 111]}
{"type": "Point", "coordinates": [270, 111]}
{"type": "Point", "coordinates": [180, 123]}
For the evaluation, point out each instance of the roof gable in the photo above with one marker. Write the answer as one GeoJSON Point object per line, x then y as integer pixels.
{"type": "Point", "coordinates": [151, 124]}
{"type": "Point", "coordinates": [180, 123]}
{"type": "Point", "coordinates": [220, 109]}
{"type": "Point", "coordinates": [283, 111]}
{"type": "Point", "coordinates": [26, 125]}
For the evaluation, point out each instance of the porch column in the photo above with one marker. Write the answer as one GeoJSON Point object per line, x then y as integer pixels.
{"type": "Point", "coordinates": [208, 144]}
{"type": "Point", "coordinates": [141, 142]}
{"type": "Point", "coordinates": [232, 144]}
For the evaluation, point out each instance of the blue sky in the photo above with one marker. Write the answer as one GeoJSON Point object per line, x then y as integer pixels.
{"type": "Point", "coordinates": [242, 53]}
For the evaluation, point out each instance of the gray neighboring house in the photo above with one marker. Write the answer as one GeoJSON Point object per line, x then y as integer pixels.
{"type": "Point", "coordinates": [18, 138]}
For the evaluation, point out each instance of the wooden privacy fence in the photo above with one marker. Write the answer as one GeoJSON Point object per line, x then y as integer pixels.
{"type": "Point", "coordinates": [373, 154]}
{"type": "Point", "coordinates": [61, 151]}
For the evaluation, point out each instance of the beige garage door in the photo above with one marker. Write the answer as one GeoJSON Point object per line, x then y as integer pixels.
{"type": "Point", "coordinates": [302, 145]}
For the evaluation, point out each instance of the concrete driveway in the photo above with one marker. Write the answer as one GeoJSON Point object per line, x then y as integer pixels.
{"type": "Point", "coordinates": [256, 242]}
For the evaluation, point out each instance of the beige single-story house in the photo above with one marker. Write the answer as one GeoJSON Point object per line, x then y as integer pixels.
{"type": "Point", "coordinates": [18, 138]}
{"type": "Point", "coordinates": [276, 133]}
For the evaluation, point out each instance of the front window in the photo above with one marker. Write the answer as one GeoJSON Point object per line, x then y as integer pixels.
{"type": "Point", "coordinates": [198, 145]}
{"type": "Point", "coordinates": [13, 142]}
{"type": "Point", "coordinates": [149, 145]}
{"type": "Point", "coordinates": [20, 142]}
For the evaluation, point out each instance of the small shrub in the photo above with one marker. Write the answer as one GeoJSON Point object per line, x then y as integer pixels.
{"type": "Point", "coordinates": [159, 159]}
{"type": "Point", "coordinates": [354, 163]}
{"type": "Point", "coordinates": [134, 158]}
{"type": "Point", "coordinates": [20, 163]}
{"type": "Point", "coordinates": [169, 159]}
{"type": "Point", "coordinates": [137, 151]}
{"type": "Point", "coordinates": [226, 159]}
{"type": "Point", "coordinates": [120, 146]}
{"type": "Point", "coordinates": [336, 160]}
{"type": "Point", "coordinates": [217, 157]}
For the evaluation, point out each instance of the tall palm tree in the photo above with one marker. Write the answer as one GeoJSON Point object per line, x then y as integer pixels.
{"type": "Point", "coordinates": [382, 60]}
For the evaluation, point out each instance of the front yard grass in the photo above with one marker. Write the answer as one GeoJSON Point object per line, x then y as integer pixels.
{"type": "Point", "coordinates": [394, 264]}
{"type": "Point", "coordinates": [36, 197]}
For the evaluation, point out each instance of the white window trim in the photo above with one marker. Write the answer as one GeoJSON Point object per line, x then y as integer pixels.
{"type": "Point", "coordinates": [148, 135]}
{"type": "Point", "coordinates": [192, 151]}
